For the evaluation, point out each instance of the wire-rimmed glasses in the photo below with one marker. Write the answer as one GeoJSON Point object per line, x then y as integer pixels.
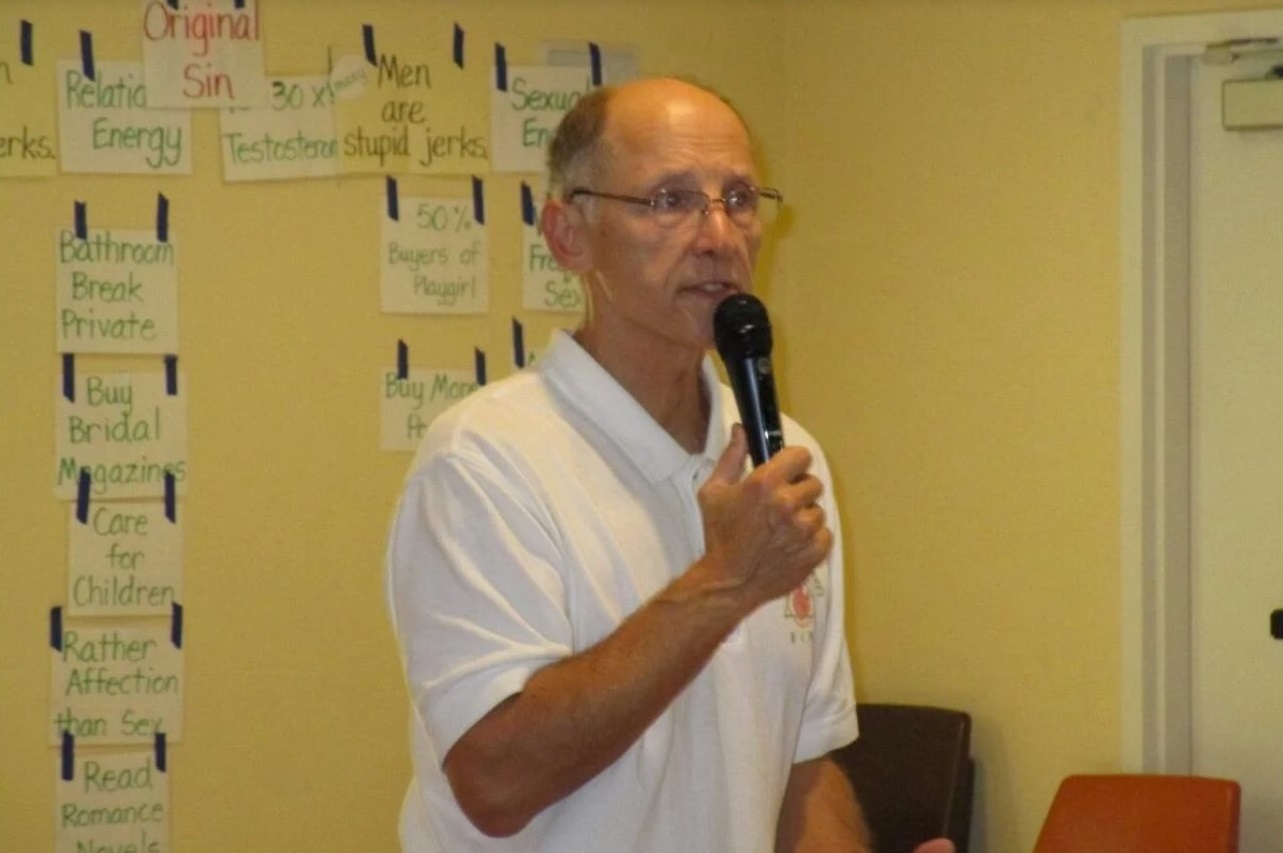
{"type": "Point", "coordinates": [672, 208]}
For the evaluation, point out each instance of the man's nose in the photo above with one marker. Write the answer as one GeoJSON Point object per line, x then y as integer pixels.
{"type": "Point", "coordinates": [715, 227]}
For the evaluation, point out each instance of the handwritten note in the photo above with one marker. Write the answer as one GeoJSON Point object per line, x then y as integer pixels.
{"type": "Point", "coordinates": [408, 405]}
{"type": "Point", "coordinates": [524, 118]}
{"type": "Point", "coordinates": [125, 559]}
{"type": "Point", "coordinates": [105, 126]}
{"type": "Point", "coordinates": [117, 683]}
{"type": "Point", "coordinates": [419, 116]}
{"type": "Point", "coordinates": [113, 803]}
{"type": "Point", "coordinates": [117, 292]}
{"type": "Point", "coordinates": [375, 127]}
{"type": "Point", "coordinates": [435, 258]}
{"type": "Point", "coordinates": [203, 54]}
{"type": "Point", "coordinates": [28, 120]}
{"type": "Point", "coordinates": [292, 137]}
{"type": "Point", "coordinates": [126, 430]}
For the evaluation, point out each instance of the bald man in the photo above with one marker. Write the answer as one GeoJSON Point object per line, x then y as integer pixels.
{"type": "Point", "coordinates": [617, 636]}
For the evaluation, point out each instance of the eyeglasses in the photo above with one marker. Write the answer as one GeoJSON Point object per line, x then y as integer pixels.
{"type": "Point", "coordinates": [673, 208]}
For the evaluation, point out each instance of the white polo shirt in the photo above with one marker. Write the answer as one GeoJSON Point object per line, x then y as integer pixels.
{"type": "Point", "coordinates": [538, 514]}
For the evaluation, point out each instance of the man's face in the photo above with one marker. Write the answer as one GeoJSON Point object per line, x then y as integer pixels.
{"type": "Point", "coordinates": [658, 285]}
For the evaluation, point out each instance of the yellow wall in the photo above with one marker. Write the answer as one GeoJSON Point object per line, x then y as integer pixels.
{"type": "Point", "coordinates": [948, 307]}
{"type": "Point", "coordinates": [955, 268]}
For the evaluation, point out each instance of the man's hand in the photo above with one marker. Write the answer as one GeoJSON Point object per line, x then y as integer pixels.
{"type": "Point", "coordinates": [763, 532]}
{"type": "Point", "coordinates": [936, 845]}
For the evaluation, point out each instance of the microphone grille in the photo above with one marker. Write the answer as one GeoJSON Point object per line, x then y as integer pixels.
{"type": "Point", "coordinates": [741, 328]}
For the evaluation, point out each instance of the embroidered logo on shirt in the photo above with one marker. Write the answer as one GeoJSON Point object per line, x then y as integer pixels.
{"type": "Point", "coordinates": [799, 605]}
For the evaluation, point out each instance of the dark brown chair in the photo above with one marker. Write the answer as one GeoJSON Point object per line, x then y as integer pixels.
{"type": "Point", "coordinates": [1141, 813]}
{"type": "Point", "coordinates": [912, 770]}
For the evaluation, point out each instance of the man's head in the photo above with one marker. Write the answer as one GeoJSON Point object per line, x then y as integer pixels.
{"type": "Point", "coordinates": [627, 168]}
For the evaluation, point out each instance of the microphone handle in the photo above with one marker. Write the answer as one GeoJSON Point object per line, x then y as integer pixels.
{"type": "Point", "coordinates": [754, 386]}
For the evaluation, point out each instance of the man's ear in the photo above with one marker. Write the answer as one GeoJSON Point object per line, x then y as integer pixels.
{"type": "Point", "coordinates": [564, 229]}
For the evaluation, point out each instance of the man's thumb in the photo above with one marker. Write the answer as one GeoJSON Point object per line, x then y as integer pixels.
{"type": "Point", "coordinates": [730, 467]}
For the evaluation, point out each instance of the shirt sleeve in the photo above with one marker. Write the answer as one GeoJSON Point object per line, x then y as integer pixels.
{"type": "Point", "coordinates": [829, 719]}
{"type": "Point", "coordinates": [476, 600]}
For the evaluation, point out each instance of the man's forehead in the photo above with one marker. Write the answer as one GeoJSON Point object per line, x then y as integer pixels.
{"type": "Point", "coordinates": [647, 101]}
{"type": "Point", "coordinates": [676, 127]}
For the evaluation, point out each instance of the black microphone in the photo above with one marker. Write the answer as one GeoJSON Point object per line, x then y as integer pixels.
{"type": "Point", "coordinates": [743, 335]}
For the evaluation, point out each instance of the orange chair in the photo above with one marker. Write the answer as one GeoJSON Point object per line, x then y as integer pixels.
{"type": "Point", "coordinates": [1124, 813]}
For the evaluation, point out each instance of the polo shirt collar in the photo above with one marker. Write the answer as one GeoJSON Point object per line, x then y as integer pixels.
{"type": "Point", "coordinates": [586, 386]}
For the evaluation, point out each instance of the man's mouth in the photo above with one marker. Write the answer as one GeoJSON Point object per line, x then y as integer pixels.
{"type": "Point", "coordinates": [715, 288]}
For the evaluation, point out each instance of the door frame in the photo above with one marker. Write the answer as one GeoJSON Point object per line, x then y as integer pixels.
{"type": "Point", "coordinates": [1154, 505]}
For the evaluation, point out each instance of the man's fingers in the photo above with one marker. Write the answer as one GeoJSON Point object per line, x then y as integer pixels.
{"type": "Point", "coordinates": [804, 491]}
{"type": "Point", "coordinates": [730, 467]}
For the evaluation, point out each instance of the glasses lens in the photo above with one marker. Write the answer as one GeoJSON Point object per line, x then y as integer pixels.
{"type": "Point", "coordinates": [673, 207]}
{"type": "Point", "coordinates": [741, 205]}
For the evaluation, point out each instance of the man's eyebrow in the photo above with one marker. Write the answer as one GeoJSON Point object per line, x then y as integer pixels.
{"type": "Point", "coordinates": [686, 179]}
{"type": "Point", "coordinates": [670, 178]}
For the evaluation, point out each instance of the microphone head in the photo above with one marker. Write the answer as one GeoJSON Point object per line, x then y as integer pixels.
{"type": "Point", "coordinates": [741, 328]}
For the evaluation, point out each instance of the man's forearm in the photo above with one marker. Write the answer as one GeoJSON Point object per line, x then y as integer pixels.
{"type": "Point", "coordinates": [579, 715]}
{"type": "Point", "coordinates": [820, 813]}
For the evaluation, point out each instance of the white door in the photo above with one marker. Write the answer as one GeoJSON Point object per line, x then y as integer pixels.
{"type": "Point", "coordinates": [1236, 334]}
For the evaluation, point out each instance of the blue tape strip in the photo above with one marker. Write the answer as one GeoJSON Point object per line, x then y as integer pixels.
{"type": "Point", "coordinates": [402, 360]}
{"type": "Point", "coordinates": [478, 200]}
{"type": "Point", "coordinates": [458, 45]}
{"type": "Point", "coordinates": [83, 483]}
{"type": "Point", "coordinates": [527, 204]}
{"type": "Point", "coordinates": [68, 756]}
{"type": "Point", "coordinates": [69, 376]}
{"type": "Point", "coordinates": [162, 218]}
{"type": "Point", "coordinates": [239, 4]}
{"type": "Point", "coordinates": [171, 497]}
{"type": "Point", "coordinates": [394, 207]}
{"type": "Point", "coordinates": [176, 626]}
{"type": "Point", "coordinates": [367, 36]}
{"type": "Point", "coordinates": [24, 43]}
{"type": "Point", "coordinates": [82, 496]}
{"type": "Point", "coordinates": [87, 54]}
{"type": "Point", "coordinates": [171, 375]}
{"type": "Point", "coordinates": [55, 628]}
{"type": "Point", "coordinates": [500, 67]}
{"type": "Point", "coordinates": [518, 343]}
{"type": "Point", "coordinates": [479, 365]}
{"type": "Point", "coordinates": [82, 221]}
{"type": "Point", "coordinates": [162, 752]}
{"type": "Point", "coordinates": [594, 60]}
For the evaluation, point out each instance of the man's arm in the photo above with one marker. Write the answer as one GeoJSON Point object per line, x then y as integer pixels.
{"type": "Point", "coordinates": [573, 718]}
{"type": "Point", "coordinates": [820, 813]}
